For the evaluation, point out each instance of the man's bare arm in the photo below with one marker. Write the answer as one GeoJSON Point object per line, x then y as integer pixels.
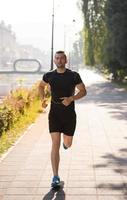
{"type": "Point", "coordinates": [81, 93]}
{"type": "Point", "coordinates": [41, 89]}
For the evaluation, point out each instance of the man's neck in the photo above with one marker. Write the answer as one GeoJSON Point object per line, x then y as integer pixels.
{"type": "Point", "coordinates": [61, 69]}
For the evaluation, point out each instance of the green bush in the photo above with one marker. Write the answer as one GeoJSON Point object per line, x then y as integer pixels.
{"type": "Point", "coordinates": [6, 119]}
{"type": "Point", "coordinates": [16, 104]}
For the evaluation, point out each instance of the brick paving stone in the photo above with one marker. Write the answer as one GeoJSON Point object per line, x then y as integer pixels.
{"type": "Point", "coordinates": [44, 183]}
{"type": "Point", "coordinates": [81, 184]}
{"type": "Point", "coordinates": [49, 197]}
{"type": "Point", "coordinates": [1, 197]}
{"type": "Point", "coordinates": [21, 191]}
{"type": "Point", "coordinates": [4, 184]}
{"type": "Point", "coordinates": [27, 178]}
{"type": "Point", "coordinates": [81, 197]}
{"type": "Point", "coordinates": [6, 178]}
{"type": "Point", "coordinates": [111, 191]}
{"type": "Point", "coordinates": [112, 197]}
{"type": "Point", "coordinates": [2, 191]}
{"type": "Point", "coordinates": [81, 191]}
{"type": "Point", "coordinates": [83, 173]}
{"type": "Point", "coordinates": [18, 197]}
{"type": "Point", "coordinates": [81, 178]}
{"type": "Point", "coordinates": [24, 184]}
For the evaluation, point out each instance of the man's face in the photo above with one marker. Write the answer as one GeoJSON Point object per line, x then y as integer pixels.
{"type": "Point", "coordinates": [60, 60]}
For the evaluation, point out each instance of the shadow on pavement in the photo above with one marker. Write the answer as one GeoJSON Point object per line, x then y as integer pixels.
{"type": "Point", "coordinates": [119, 166]}
{"type": "Point", "coordinates": [110, 96]}
{"type": "Point", "coordinates": [55, 194]}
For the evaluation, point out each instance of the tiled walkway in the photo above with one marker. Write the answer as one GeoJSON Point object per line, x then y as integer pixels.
{"type": "Point", "coordinates": [94, 168]}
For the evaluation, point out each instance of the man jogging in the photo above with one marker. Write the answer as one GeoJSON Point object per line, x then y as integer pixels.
{"type": "Point", "coordinates": [62, 116]}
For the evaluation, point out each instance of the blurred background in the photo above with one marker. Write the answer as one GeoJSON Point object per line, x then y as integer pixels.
{"type": "Point", "coordinates": [35, 30]}
{"type": "Point", "coordinates": [92, 33]}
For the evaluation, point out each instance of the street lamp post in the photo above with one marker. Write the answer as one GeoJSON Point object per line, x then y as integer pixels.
{"type": "Point", "coordinates": [68, 27]}
{"type": "Point", "coordinates": [52, 38]}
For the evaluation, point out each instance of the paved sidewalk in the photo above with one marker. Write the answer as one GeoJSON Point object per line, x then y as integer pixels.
{"type": "Point", "coordinates": [95, 168]}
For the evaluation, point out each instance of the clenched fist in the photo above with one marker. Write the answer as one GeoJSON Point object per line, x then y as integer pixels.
{"type": "Point", "coordinates": [66, 100]}
{"type": "Point", "coordinates": [44, 103]}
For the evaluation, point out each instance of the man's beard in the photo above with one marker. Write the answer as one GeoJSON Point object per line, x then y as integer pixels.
{"type": "Point", "coordinates": [61, 66]}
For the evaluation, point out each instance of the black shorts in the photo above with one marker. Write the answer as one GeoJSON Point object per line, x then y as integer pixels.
{"type": "Point", "coordinates": [62, 119]}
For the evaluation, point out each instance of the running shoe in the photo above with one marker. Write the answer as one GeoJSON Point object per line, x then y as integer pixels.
{"type": "Point", "coordinates": [55, 182]}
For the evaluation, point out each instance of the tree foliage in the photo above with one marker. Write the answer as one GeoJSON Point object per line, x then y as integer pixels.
{"type": "Point", "coordinates": [105, 27]}
{"type": "Point", "coordinates": [95, 30]}
{"type": "Point", "coordinates": [116, 21]}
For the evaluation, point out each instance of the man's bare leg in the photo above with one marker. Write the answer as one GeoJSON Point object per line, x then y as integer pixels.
{"type": "Point", "coordinates": [55, 157]}
{"type": "Point", "coordinates": [67, 141]}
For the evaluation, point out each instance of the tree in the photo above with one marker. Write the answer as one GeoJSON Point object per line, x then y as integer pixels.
{"type": "Point", "coordinates": [95, 30]}
{"type": "Point", "coordinates": [116, 21]}
{"type": "Point", "coordinates": [77, 52]}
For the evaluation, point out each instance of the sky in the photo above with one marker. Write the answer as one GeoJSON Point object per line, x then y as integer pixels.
{"type": "Point", "coordinates": [31, 21]}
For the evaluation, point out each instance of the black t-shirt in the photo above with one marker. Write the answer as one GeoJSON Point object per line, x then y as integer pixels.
{"type": "Point", "coordinates": [62, 84]}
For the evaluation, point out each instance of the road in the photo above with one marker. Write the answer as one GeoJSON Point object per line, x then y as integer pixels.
{"type": "Point", "coordinates": [94, 168]}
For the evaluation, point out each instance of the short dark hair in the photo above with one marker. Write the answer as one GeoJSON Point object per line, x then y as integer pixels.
{"type": "Point", "coordinates": [59, 52]}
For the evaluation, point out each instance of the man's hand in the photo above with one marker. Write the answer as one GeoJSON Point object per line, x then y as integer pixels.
{"type": "Point", "coordinates": [44, 103]}
{"type": "Point", "coordinates": [67, 100]}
